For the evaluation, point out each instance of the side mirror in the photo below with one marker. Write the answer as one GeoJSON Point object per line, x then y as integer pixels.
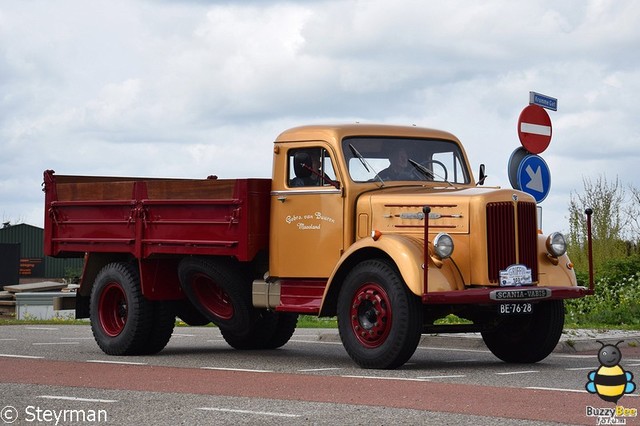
{"type": "Point", "coordinates": [482, 176]}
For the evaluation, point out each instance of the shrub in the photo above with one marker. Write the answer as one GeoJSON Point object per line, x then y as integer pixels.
{"type": "Point", "coordinates": [615, 302]}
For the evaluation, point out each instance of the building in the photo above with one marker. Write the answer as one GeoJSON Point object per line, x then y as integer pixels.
{"type": "Point", "coordinates": [22, 250]}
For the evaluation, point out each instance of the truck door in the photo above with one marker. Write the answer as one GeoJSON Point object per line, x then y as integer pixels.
{"type": "Point", "coordinates": [306, 216]}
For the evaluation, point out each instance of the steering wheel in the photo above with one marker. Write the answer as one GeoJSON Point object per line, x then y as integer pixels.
{"type": "Point", "coordinates": [439, 163]}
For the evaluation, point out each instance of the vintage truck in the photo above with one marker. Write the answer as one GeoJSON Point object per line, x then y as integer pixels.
{"type": "Point", "coordinates": [334, 232]}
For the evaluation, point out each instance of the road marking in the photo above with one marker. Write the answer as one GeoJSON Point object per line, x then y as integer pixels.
{"type": "Point", "coordinates": [517, 372]}
{"type": "Point", "coordinates": [557, 389]}
{"type": "Point", "coordinates": [7, 340]}
{"type": "Point", "coordinates": [76, 338]}
{"type": "Point", "coordinates": [102, 361]}
{"type": "Point", "coordinates": [257, 413]}
{"type": "Point", "coordinates": [74, 398]}
{"type": "Point", "coordinates": [317, 342]}
{"type": "Point", "coordinates": [573, 356]}
{"type": "Point", "coordinates": [237, 369]}
{"type": "Point", "coordinates": [21, 356]}
{"type": "Point", "coordinates": [55, 343]}
{"type": "Point", "coordinates": [182, 335]}
{"type": "Point", "coordinates": [580, 368]}
{"type": "Point", "coordinates": [433, 348]}
{"type": "Point", "coordinates": [453, 376]}
{"type": "Point", "coordinates": [42, 328]}
{"type": "Point", "coordinates": [462, 360]}
{"type": "Point", "coordinates": [385, 378]}
{"type": "Point", "coordinates": [320, 369]}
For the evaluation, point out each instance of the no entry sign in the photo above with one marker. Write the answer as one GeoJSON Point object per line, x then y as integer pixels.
{"type": "Point", "coordinates": [534, 129]}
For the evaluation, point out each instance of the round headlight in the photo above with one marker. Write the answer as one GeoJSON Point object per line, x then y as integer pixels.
{"type": "Point", "coordinates": [443, 245]}
{"type": "Point", "coordinates": [556, 244]}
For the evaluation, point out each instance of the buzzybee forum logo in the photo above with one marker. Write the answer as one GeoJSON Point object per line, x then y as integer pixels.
{"type": "Point", "coordinates": [610, 381]}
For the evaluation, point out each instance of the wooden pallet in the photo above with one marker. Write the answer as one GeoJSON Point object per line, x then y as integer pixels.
{"type": "Point", "coordinates": [35, 287]}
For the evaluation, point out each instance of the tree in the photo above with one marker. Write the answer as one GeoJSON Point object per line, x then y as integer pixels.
{"type": "Point", "coordinates": [634, 215]}
{"type": "Point", "coordinates": [610, 221]}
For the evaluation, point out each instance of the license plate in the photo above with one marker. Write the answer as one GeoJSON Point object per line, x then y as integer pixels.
{"type": "Point", "coordinates": [516, 308]}
{"type": "Point", "coordinates": [515, 275]}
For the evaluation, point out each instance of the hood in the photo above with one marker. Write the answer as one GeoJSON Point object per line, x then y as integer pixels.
{"type": "Point", "coordinates": [400, 209]}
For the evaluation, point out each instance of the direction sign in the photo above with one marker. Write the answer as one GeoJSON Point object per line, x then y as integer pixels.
{"type": "Point", "coordinates": [534, 129]}
{"type": "Point", "coordinates": [534, 177]}
{"type": "Point", "coordinates": [543, 100]}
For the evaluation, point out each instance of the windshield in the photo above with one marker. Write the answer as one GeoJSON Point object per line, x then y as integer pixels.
{"type": "Point", "coordinates": [400, 159]}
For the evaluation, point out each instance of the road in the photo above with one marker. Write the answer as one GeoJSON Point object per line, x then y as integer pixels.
{"type": "Point", "coordinates": [48, 372]}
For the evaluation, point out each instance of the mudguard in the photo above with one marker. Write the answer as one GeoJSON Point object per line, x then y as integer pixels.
{"type": "Point", "coordinates": [406, 252]}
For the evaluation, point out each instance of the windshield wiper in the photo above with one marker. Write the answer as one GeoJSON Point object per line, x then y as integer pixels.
{"type": "Point", "coordinates": [364, 162]}
{"type": "Point", "coordinates": [422, 169]}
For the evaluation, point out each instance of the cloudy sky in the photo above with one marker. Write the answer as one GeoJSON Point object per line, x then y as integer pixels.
{"type": "Point", "coordinates": [193, 88]}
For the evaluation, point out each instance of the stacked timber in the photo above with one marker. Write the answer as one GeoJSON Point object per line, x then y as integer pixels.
{"type": "Point", "coordinates": [8, 295]}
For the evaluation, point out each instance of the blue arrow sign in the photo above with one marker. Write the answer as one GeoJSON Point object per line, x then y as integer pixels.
{"type": "Point", "coordinates": [534, 177]}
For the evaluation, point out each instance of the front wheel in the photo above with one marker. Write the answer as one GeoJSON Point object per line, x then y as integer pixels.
{"type": "Point", "coordinates": [527, 338]}
{"type": "Point", "coordinates": [379, 319]}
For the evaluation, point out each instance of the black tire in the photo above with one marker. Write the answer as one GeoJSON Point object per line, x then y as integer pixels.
{"type": "Point", "coordinates": [271, 330]}
{"type": "Point", "coordinates": [164, 320]}
{"type": "Point", "coordinates": [121, 318]}
{"type": "Point", "coordinates": [189, 314]}
{"type": "Point", "coordinates": [285, 327]}
{"type": "Point", "coordinates": [379, 319]}
{"type": "Point", "coordinates": [527, 338]}
{"type": "Point", "coordinates": [220, 291]}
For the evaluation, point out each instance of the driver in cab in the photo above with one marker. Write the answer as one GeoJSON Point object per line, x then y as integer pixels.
{"type": "Point", "coordinates": [399, 167]}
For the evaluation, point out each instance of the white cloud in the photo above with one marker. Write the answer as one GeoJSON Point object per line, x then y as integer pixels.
{"type": "Point", "coordinates": [198, 88]}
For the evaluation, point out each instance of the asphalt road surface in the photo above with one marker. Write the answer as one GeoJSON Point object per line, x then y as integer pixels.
{"type": "Point", "coordinates": [58, 375]}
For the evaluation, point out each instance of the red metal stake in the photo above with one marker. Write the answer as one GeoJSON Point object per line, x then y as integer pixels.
{"type": "Point", "coordinates": [426, 210]}
{"type": "Point", "coordinates": [589, 212]}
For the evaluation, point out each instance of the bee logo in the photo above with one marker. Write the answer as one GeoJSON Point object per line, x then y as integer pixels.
{"type": "Point", "coordinates": [610, 381]}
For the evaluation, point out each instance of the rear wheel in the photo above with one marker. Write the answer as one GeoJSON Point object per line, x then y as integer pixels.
{"type": "Point", "coordinates": [270, 331]}
{"type": "Point", "coordinates": [527, 338]}
{"type": "Point", "coordinates": [121, 318]}
{"type": "Point", "coordinates": [164, 320]}
{"type": "Point", "coordinates": [379, 319]}
{"type": "Point", "coordinates": [285, 327]}
{"type": "Point", "coordinates": [220, 291]}
{"type": "Point", "coordinates": [189, 314]}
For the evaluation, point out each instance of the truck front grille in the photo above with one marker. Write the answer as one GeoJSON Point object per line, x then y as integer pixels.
{"type": "Point", "coordinates": [511, 237]}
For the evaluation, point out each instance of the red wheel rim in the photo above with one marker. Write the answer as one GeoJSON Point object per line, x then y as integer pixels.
{"type": "Point", "coordinates": [112, 309]}
{"type": "Point", "coordinates": [213, 298]}
{"type": "Point", "coordinates": [371, 315]}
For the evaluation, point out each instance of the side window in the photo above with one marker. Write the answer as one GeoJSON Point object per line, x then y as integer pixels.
{"type": "Point", "coordinates": [310, 167]}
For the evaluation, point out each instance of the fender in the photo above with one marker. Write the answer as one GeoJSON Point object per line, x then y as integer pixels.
{"type": "Point", "coordinates": [405, 251]}
{"type": "Point", "coordinates": [552, 272]}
